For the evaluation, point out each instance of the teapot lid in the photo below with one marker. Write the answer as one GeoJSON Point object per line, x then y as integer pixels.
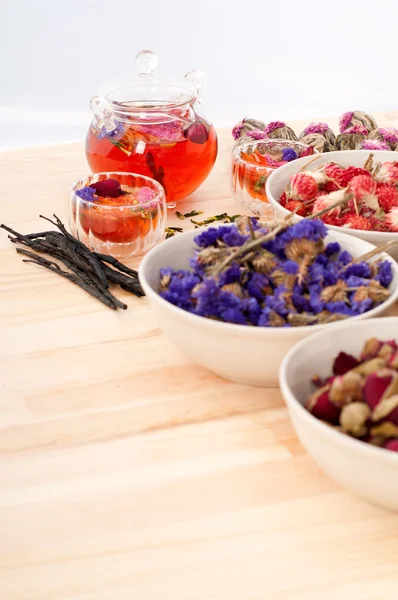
{"type": "Point", "coordinates": [152, 90]}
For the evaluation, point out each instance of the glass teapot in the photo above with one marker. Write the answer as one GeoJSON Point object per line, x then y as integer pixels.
{"type": "Point", "coordinates": [152, 127]}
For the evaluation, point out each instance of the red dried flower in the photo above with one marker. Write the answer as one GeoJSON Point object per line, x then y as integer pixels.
{"type": "Point", "coordinates": [364, 189]}
{"type": "Point", "coordinates": [357, 222]}
{"type": "Point", "coordinates": [303, 186]}
{"type": "Point", "coordinates": [334, 171]}
{"type": "Point", "coordinates": [387, 196]}
{"type": "Point", "coordinates": [351, 172]}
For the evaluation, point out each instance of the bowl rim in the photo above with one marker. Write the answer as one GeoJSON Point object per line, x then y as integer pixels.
{"type": "Point", "coordinates": [255, 331]}
{"type": "Point", "coordinates": [295, 405]}
{"type": "Point", "coordinates": [356, 232]}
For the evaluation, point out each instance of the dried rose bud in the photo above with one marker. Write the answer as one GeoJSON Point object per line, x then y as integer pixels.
{"type": "Point", "coordinates": [380, 386]}
{"type": "Point", "coordinates": [353, 418]}
{"type": "Point", "coordinates": [318, 142]}
{"type": "Point", "coordinates": [357, 117]}
{"type": "Point", "coordinates": [391, 445]}
{"type": "Point", "coordinates": [387, 173]}
{"type": "Point", "coordinates": [108, 188]}
{"type": "Point", "coordinates": [344, 363]}
{"type": "Point", "coordinates": [351, 137]}
{"type": "Point", "coordinates": [370, 366]}
{"type": "Point", "coordinates": [382, 432]}
{"type": "Point", "coordinates": [320, 406]}
{"type": "Point", "coordinates": [346, 388]}
{"type": "Point", "coordinates": [387, 409]}
{"type": "Point", "coordinates": [393, 361]}
{"type": "Point", "coordinates": [322, 129]}
{"type": "Point", "coordinates": [373, 348]}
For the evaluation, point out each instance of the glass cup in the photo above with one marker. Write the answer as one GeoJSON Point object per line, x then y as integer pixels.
{"type": "Point", "coordinates": [127, 225]}
{"type": "Point", "coordinates": [253, 161]}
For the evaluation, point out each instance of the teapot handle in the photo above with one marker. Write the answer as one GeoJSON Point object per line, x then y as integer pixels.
{"type": "Point", "coordinates": [199, 80]}
{"type": "Point", "coordinates": [102, 113]}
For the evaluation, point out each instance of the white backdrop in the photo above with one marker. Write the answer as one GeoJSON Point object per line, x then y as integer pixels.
{"type": "Point", "coordinates": [271, 59]}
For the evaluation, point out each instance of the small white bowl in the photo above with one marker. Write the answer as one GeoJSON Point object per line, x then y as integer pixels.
{"type": "Point", "coordinates": [279, 179]}
{"type": "Point", "coordinates": [366, 470]}
{"type": "Point", "coordinates": [249, 355]}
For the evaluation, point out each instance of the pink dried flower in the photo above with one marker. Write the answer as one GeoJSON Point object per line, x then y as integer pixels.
{"type": "Point", "coordinates": [373, 145]}
{"type": "Point", "coordinates": [316, 128]}
{"type": "Point", "coordinates": [145, 194]}
{"type": "Point", "coordinates": [390, 134]}
{"type": "Point", "coordinates": [364, 189]}
{"type": "Point", "coordinates": [388, 173]}
{"type": "Point", "coordinates": [361, 129]}
{"type": "Point", "coordinates": [274, 125]}
{"type": "Point", "coordinates": [392, 219]}
{"type": "Point", "coordinates": [256, 134]}
{"type": "Point", "coordinates": [237, 130]}
{"type": "Point", "coordinates": [345, 121]}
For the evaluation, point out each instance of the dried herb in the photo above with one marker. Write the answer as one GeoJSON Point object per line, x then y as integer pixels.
{"type": "Point", "coordinates": [88, 270]}
{"type": "Point", "coordinates": [193, 213]}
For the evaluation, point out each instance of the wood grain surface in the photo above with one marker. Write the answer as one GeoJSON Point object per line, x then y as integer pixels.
{"type": "Point", "coordinates": [129, 473]}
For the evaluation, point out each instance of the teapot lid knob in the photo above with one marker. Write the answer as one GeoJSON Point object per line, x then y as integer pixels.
{"type": "Point", "coordinates": [146, 62]}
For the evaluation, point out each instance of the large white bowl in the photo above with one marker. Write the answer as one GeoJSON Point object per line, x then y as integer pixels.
{"type": "Point", "coordinates": [366, 470]}
{"type": "Point", "coordinates": [279, 179]}
{"type": "Point", "coordinates": [249, 355]}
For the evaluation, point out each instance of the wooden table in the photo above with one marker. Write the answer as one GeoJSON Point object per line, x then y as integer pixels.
{"type": "Point", "coordinates": [128, 473]}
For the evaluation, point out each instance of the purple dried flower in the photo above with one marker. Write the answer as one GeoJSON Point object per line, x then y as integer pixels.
{"type": "Point", "coordinates": [86, 193]}
{"type": "Point", "coordinates": [232, 237]}
{"type": "Point", "coordinates": [384, 274]}
{"type": "Point", "coordinates": [257, 286]}
{"type": "Point", "coordinates": [207, 238]}
{"type": "Point", "coordinates": [114, 134]}
{"type": "Point", "coordinates": [361, 269]}
{"type": "Point", "coordinates": [361, 306]}
{"type": "Point", "coordinates": [332, 248]}
{"type": "Point", "coordinates": [288, 154]}
{"type": "Point", "coordinates": [290, 267]}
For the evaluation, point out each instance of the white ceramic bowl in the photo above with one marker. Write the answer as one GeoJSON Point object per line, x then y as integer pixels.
{"type": "Point", "coordinates": [249, 355]}
{"type": "Point", "coordinates": [279, 179]}
{"type": "Point", "coordinates": [366, 470]}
